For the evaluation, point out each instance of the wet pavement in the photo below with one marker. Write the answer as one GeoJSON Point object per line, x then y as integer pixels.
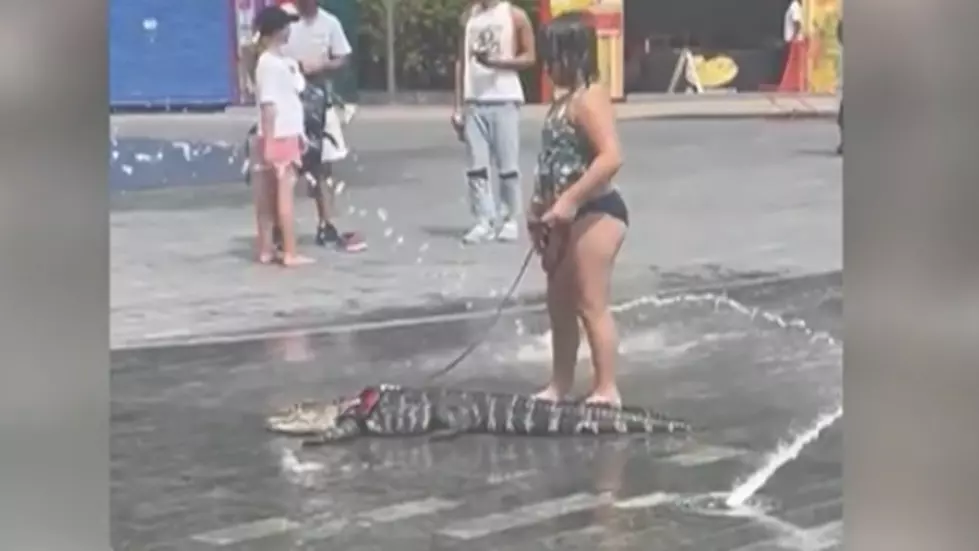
{"type": "Point", "coordinates": [193, 469]}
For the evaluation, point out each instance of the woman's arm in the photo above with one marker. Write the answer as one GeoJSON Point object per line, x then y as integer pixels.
{"type": "Point", "coordinates": [323, 62]}
{"type": "Point", "coordinates": [267, 114]}
{"type": "Point", "coordinates": [264, 95]}
{"type": "Point", "coordinates": [592, 111]}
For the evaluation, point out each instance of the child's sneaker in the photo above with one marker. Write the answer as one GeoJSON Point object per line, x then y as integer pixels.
{"type": "Point", "coordinates": [509, 231]}
{"type": "Point", "coordinates": [479, 233]}
{"type": "Point", "coordinates": [351, 242]}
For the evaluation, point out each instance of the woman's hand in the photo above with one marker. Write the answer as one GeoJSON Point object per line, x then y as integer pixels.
{"type": "Point", "coordinates": [319, 63]}
{"type": "Point", "coordinates": [535, 228]}
{"type": "Point", "coordinates": [549, 239]}
{"type": "Point", "coordinates": [561, 213]}
{"type": "Point", "coordinates": [555, 247]}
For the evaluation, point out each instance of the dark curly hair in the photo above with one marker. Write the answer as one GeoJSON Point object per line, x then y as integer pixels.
{"type": "Point", "coordinates": [569, 49]}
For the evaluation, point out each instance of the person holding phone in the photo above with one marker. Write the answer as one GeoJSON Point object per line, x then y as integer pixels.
{"type": "Point", "coordinates": [498, 41]}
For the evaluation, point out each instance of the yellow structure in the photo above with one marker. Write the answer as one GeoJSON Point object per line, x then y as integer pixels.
{"type": "Point", "coordinates": [560, 6]}
{"type": "Point", "coordinates": [821, 19]}
{"type": "Point", "coordinates": [714, 72]}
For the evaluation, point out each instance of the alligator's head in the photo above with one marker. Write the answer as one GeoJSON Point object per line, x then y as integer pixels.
{"type": "Point", "coordinates": [309, 418]}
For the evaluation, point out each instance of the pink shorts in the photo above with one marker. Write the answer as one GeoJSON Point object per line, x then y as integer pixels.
{"type": "Point", "coordinates": [279, 153]}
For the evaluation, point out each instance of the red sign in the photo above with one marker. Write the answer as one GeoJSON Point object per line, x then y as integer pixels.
{"type": "Point", "coordinates": [607, 21]}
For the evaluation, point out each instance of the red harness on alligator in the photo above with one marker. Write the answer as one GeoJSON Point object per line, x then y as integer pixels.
{"type": "Point", "coordinates": [368, 399]}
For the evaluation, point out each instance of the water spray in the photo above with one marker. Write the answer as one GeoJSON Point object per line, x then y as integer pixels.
{"type": "Point", "coordinates": [786, 452]}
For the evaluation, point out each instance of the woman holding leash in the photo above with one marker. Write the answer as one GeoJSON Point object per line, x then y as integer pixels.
{"type": "Point", "coordinates": [578, 219]}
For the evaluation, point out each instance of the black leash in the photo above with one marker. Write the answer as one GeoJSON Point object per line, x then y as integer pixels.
{"type": "Point", "coordinates": [496, 318]}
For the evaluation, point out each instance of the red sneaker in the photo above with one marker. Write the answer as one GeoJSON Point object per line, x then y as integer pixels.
{"type": "Point", "coordinates": [352, 242]}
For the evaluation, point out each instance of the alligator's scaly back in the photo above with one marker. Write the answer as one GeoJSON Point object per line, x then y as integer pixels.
{"type": "Point", "coordinates": [634, 421]}
{"type": "Point", "coordinates": [516, 414]}
{"type": "Point", "coordinates": [389, 410]}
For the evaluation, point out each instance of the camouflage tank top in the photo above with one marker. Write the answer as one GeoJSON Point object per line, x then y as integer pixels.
{"type": "Point", "coordinates": [565, 153]}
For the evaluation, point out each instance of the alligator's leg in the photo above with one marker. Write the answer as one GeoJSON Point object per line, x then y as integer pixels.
{"type": "Point", "coordinates": [451, 421]}
{"type": "Point", "coordinates": [346, 430]}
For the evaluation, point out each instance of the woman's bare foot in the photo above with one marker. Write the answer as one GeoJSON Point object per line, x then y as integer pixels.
{"type": "Point", "coordinates": [551, 393]}
{"type": "Point", "coordinates": [609, 398]}
{"type": "Point", "coordinates": [292, 261]}
{"type": "Point", "coordinates": [266, 258]}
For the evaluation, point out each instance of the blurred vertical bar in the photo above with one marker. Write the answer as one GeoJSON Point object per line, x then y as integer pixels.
{"type": "Point", "coordinates": [911, 178]}
{"type": "Point", "coordinates": [389, 38]}
{"type": "Point", "coordinates": [346, 82]}
{"type": "Point", "coordinates": [54, 278]}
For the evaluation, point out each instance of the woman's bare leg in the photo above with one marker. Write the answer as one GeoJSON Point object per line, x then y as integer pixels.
{"type": "Point", "coordinates": [565, 337]}
{"type": "Point", "coordinates": [264, 214]}
{"type": "Point", "coordinates": [595, 243]}
{"type": "Point", "coordinates": [285, 205]}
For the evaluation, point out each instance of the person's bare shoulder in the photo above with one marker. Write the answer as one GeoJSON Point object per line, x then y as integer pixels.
{"type": "Point", "coordinates": [597, 91]}
{"type": "Point", "coordinates": [466, 14]}
{"type": "Point", "coordinates": [520, 15]}
{"type": "Point", "coordinates": [593, 100]}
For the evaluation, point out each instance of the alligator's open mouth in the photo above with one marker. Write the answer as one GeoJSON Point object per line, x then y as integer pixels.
{"type": "Point", "coordinates": [304, 418]}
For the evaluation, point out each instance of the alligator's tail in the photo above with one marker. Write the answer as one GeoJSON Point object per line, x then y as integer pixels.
{"type": "Point", "coordinates": [653, 422]}
{"type": "Point", "coordinates": [633, 420]}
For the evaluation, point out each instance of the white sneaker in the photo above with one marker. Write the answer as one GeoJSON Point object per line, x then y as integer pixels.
{"type": "Point", "coordinates": [478, 234]}
{"type": "Point", "coordinates": [509, 231]}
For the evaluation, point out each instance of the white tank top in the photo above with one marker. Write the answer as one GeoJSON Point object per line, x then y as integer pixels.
{"type": "Point", "coordinates": [490, 30]}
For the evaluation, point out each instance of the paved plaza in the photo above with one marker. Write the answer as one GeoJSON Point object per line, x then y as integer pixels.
{"type": "Point", "coordinates": [707, 197]}
{"type": "Point", "coordinates": [729, 299]}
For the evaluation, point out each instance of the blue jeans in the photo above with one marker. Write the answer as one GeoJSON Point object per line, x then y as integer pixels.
{"type": "Point", "coordinates": [492, 136]}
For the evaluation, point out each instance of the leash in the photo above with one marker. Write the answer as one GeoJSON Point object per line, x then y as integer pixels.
{"type": "Point", "coordinates": [495, 319]}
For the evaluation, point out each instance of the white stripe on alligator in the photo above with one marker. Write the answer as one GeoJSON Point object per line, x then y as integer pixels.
{"type": "Point", "coordinates": [522, 516]}
{"type": "Point", "coordinates": [510, 428]}
{"type": "Point", "coordinates": [620, 425]}
{"type": "Point", "coordinates": [554, 419]}
{"type": "Point", "coordinates": [491, 415]}
{"type": "Point", "coordinates": [528, 419]}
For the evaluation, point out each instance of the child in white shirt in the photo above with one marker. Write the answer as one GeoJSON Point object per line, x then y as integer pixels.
{"type": "Point", "coordinates": [278, 82]}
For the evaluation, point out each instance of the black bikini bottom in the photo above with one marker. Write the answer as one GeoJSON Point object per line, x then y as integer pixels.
{"type": "Point", "coordinates": [611, 204]}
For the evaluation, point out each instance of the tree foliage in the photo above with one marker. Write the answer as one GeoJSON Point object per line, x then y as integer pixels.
{"type": "Point", "coordinates": [426, 38]}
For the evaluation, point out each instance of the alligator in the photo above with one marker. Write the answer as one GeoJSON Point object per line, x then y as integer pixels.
{"type": "Point", "coordinates": [443, 413]}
